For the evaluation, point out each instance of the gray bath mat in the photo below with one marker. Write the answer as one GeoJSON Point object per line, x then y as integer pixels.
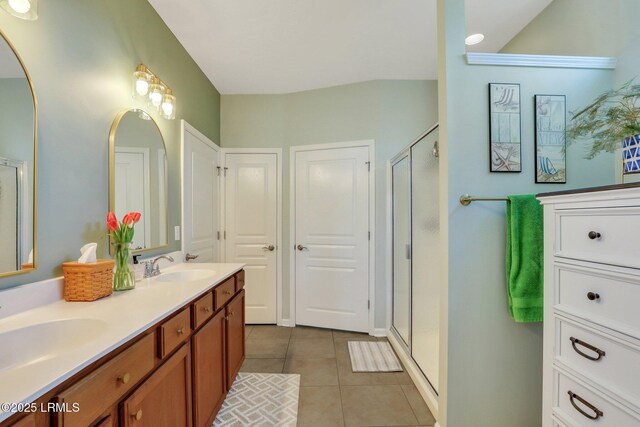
{"type": "Point", "coordinates": [373, 356]}
{"type": "Point", "coordinates": [265, 400]}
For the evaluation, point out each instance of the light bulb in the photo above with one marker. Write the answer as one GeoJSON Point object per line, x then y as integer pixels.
{"type": "Point", "coordinates": [20, 6]}
{"type": "Point", "coordinates": [156, 98]}
{"type": "Point", "coordinates": [167, 108]}
{"type": "Point", "coordinates": [142, 87]}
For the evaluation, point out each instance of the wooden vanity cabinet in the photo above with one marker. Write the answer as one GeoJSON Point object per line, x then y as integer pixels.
{"type": "Point", "coordinates": [164, 399]}
{"type": "Point", "coordinates": [209, 380]}
{"type": "Point", "coordinates": [176, 373]}
{"type": "Point", "coordinates": [235, 337]}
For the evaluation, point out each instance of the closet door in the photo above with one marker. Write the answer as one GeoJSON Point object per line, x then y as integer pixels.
{"type": "Point", "coordinates": [425, 312]}
{"type": "Point", "coordinates": [401, 212]}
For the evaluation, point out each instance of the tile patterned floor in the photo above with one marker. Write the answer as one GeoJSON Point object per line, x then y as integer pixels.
{"type": "Point", "coordinates": [330, 394]}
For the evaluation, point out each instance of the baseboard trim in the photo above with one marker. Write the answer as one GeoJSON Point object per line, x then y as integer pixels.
{"type": "Point", "coordinates": [437, 424]}
{"type": "Point", "coordinates": [425, 390]}
{"type": "Point", "coordinates": [379, 332]}
{"type": "Point", "coordinates": [287, 323]}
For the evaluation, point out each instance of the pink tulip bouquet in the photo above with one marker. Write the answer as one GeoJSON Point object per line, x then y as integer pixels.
{"type": "Point", "coordinates": [121, 234]}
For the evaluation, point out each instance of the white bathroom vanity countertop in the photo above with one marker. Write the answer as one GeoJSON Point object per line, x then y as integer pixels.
{"type": "Point", "coordinates": [42, 347]}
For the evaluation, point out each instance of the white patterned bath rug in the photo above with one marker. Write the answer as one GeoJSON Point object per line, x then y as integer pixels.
{"type": "Point", "coordinates": [261, 400]}
{"type": "Point", "coordinates": [373, 356]}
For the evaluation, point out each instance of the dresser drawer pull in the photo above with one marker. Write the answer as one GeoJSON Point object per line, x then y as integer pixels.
{"type": "Point", "coordinates": [598, 413]}
{"type": "Point", "coordinates": [226, 292]}
{"type": "Point", "coordinates": [592, 296]}
{"type": "Point", "coordinates": [576, 341]}
{"type": "Point", "coordinates": [138, 415]}
{"type": "Point", "coordinates": [207, 309]}
{"type": "Point", "coordinates": [593, 235]}
{"type": "Point", "coordinates": [125, 378]}
{"type": "Point", "coordinates": [180, 331]}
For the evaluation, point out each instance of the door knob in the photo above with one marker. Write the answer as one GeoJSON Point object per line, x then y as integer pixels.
{"type": "Point", "coordinates": [190, 257]}
{"type": "Point", "coordinates": [301, 248]}
{"type": "Point", "coordinates": [269, 248]}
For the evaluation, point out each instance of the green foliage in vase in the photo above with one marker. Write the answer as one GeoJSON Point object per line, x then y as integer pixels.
{"type": "Point", "coordinates": [610, 118]}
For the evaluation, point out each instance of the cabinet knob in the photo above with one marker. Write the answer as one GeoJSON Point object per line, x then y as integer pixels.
{"type": "Point", "coordinates": [227, 292]}
{"type": "Point", "coordinates": [180, 331]}
{"type": "Point", "coordinates": [207, 309]}
{"type": "Point", "coordinates": [593, 296]}
{"type": "Point", "coordinates": [125, 378]}
{"type": "Point", "coordinates": [593, 235]}
{"type": "Point", "coordinates": [231, 313]}
{"type": "Point", "coordinates": [137, 415]}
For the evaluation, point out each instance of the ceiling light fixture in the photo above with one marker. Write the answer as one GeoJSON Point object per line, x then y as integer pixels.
{"type": "Point", "coordinates": [148, 87]}
{"type": "Point", "coordinates": [474, 39]}
{"type": "Point", "coordinates": [23, 9]}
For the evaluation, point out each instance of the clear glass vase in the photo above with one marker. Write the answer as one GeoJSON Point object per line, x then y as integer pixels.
{"type": "Point", "coordinates": [123, 278]}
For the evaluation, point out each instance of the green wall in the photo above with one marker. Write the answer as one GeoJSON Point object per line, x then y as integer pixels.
{"type": "Point", "coordinates": [81, 55]}
{"type": "Point", "coordinates": [493, 371]}
{"type": "Point", "coordinates": [393, 113]}
{"type": "Point", "coordinates": [578, 27]}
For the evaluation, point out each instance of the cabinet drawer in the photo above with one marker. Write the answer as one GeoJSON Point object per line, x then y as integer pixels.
{"type": "Point", "coordinates": [617, 367]}
{"type": "Point", "coordinates": [174, 332]}
{"type": "Point", "coordinates": [592, 403]}
{"type": "Point", "coordinates": [240, 280]}
{"type": "Point", "coordinates": [202, 310]}
{"type": "Point", "coordinates": [607, 235]}
{"type": "Point", "coordinates": [103, 387]}
{"type": "Point", "coordinates": [599, 297]}
{"type": "Point", "coordinates": [224, 292]}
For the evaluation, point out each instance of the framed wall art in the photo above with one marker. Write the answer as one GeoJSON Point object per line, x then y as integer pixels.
{"type": "Point", "coordinates": [551, 142]}
{"type": "Point", "coordinates": [504, 127]}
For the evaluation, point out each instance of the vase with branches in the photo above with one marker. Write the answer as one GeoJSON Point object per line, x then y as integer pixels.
{"type": "Point", "coordinates": [610, 120]}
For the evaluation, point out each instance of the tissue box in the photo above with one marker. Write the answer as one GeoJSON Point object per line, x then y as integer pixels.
{"type": "Point", "coordinates": [88, 282]}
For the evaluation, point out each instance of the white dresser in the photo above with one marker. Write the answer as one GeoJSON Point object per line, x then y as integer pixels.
{"type": "Point", "coordinates": [591, 361]}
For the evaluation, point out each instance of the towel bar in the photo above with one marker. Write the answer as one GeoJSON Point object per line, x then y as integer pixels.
{"type": "Point", "coordinates": [465, 199]}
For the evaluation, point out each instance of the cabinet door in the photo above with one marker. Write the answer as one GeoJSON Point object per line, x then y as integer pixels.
{"type": "Point", "coordinates": [209, 380]}
{"type": "Point", "coordinates": [235, 337]}
{"type": "Point", "coordinates": [164, 399]}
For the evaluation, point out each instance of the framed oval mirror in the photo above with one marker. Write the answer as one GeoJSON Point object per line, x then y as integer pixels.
{"type": "Point", "coordinates": [18, 164]}
{"type": "Point", "coordinates": [138, 176]}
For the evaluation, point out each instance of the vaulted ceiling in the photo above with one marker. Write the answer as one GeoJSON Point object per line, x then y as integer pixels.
{"type": "Point", "coordinates": [282, 46]}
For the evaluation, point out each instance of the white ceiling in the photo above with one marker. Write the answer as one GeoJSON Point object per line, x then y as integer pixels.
{"type": "Point", "coordinates": [283, 46]}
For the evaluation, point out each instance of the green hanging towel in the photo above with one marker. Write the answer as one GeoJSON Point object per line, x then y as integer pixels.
{"type": "Point", "coordinates": [525, 258]}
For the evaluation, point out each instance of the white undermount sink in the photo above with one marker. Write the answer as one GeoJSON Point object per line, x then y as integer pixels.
{"type": "Point", "coordinates": [43, 341]}
{"type": "Point", "coordinates": [185, 275]}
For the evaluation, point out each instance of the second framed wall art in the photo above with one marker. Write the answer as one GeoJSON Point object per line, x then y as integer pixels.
{"type": "Point", "coordinates": [550, 137]}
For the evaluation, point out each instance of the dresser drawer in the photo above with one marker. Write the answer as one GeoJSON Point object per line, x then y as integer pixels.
{"type": "Point", "coordinates": [568, 392]}
{"type": "Point", "coordinates": [202, 310]}
{"type": "Point", "coordinates": [174, 332]}
{"type": "Point", "coordinates": [103, 387]}
{"type": "Point", "coordinates": [224, 292]}
{"type": "Point", "coordinates": [239, 280]}
{"type": "Point", "coordinates": [607, 235]}
{"type": "Point", "coordinates": [617, 364]}
{"type": "Point", "coordinates": [599, 297]}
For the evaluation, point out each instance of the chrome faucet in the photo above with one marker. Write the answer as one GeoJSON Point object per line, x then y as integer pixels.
{"type": "Point", "coordinates": [152, 269]}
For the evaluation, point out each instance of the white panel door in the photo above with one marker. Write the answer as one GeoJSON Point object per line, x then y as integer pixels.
{"type": "Point", "coordinates": [132, 191]}
{"type": "Point", "coordinates": [201, 196]}
{"type": "Point", "coordinates": [251, 228]}
{"type": "Point", "coordinates": [331, 238]}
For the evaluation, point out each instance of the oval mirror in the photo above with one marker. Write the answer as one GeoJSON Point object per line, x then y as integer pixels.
{"type": "Point", "coordinates": [138, 176]}
{"type": "Point", "coordinates": [18, 145]}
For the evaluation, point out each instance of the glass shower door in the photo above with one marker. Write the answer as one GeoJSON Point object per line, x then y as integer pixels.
{"type": "Point", "coordinates": [401, 212]}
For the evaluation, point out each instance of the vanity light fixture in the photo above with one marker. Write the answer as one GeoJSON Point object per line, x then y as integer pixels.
{"type": "Point", "coordinates": [23, 9]}
{"type": "Point", "coordinates": [149, 87]}
{"type": "Point", "coordinates": [474, 39]}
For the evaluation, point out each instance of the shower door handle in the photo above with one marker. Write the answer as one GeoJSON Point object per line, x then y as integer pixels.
{"type": "Point", "coordinates": [409, 251]}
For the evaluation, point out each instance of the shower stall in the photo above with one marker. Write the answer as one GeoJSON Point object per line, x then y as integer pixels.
{"type": "Point", "coordinates": [414, 264]}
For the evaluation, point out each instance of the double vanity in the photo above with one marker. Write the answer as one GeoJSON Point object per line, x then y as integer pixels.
{"type": "Point", "coordinates": [165, 353]}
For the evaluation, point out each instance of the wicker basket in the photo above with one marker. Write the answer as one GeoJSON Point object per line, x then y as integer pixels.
{"type": "Point", "coordinates": [88, 282]}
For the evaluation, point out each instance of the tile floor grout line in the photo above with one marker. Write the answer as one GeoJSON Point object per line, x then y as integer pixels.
{"type": "Point", "coordinates": [410, 405]}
